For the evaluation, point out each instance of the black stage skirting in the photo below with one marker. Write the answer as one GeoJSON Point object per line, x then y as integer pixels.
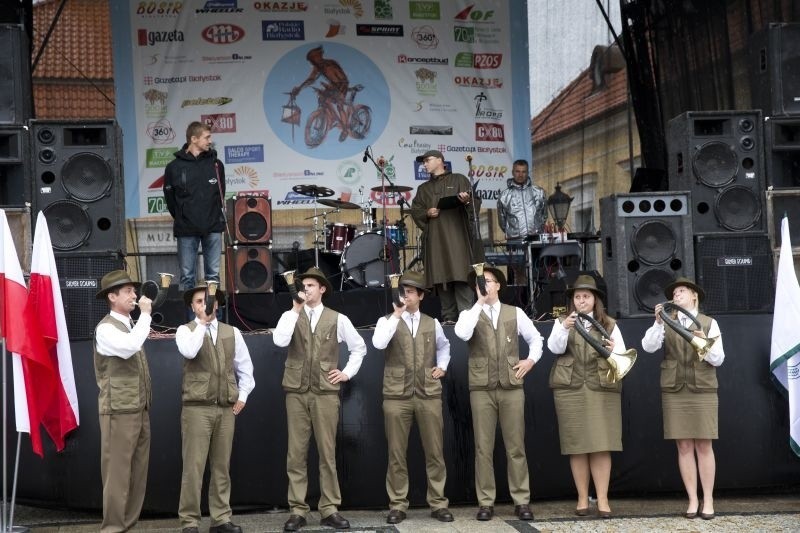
{"type": "Point", "coordinates": [752, 453]}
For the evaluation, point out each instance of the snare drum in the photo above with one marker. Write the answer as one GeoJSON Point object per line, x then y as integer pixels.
{"type": "Point", "coordinates": [369, 258]}
{"type": "Point", "coordinates": [397, 234]}
{"type": "Point", "coordinates": [338, 236]}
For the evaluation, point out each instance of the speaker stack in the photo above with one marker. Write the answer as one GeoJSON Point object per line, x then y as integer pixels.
{"type": "Point", "coordinates": [250, 227]}
{"type": "Point", "coordinates": [15, 109]}
{"type": "Point", "coordinates": [775, 89]}
{"type": "Point", "coordinates": [78, 185]}
{"type": "Point", "coordinates": [646, 242]}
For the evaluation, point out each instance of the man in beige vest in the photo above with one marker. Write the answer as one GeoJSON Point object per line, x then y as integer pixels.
{"type": "Point", "coordinates": [417, 355]}
{"type": "Point", "coordinates": [124, 408]}
{"type": "Point", "coordinates": [217, 379]}
{"type": "Point", "coordinates": [496, 374]}
{"type": "Point", "coordinates": [311, 380]}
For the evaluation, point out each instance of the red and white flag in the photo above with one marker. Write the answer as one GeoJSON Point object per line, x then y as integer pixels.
{"type": "Point", "coordinates": [46, 380]}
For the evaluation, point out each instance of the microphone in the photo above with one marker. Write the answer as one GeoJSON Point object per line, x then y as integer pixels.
{"type": "Point", "coordinates": [366, 155]}
{"type": "Point", "coordinates": [295, 246]}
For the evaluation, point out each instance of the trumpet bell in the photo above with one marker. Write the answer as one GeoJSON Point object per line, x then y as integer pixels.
{"type": "Point", "coordinates": [702, 345]}
{"type": "Point", "coordinates": [621, 363]}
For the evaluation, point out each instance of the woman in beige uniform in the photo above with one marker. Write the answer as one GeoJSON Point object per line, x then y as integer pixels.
{"type": "Point", "coordinates": [587, 400]}
{"type": "Point", "coordinates": [689, 392]}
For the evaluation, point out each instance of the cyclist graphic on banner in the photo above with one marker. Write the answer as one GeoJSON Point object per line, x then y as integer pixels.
{"type": "Point", "coordinates": [335, 107]}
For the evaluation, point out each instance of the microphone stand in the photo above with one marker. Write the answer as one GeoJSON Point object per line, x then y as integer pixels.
{"type": "Point", "coordinates": [476, 235]}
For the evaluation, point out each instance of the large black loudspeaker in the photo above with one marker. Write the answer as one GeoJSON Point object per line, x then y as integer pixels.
{"type": "Point", "coordinates": [14, 157]}
{"type": "Point", "coordinates": [782, 151]}
{"type": "Point", "coordinates": [15, 75]}
{"type": "Point", "coordinates": [251, 271]}
{"type": "Point", "coordinates": [647, 243]}
{"type": "Point", "coordinates": [250, 218]}
{"type": "Point", "coordinates": [736, 272]}
{"type": "Point", "coordinates": [718, 157]}
{"type": "Point", "coordinates": [78, 183]}
{"type": "Point", "coordinates": [775, 69]}
{"type": "Point", "coordinates": [80, 277]}
{"type": "Point", "coordinates": [782, 202]}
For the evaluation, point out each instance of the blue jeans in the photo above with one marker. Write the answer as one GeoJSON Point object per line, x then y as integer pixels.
{"type": "Point", "coordinates": [187, 258]}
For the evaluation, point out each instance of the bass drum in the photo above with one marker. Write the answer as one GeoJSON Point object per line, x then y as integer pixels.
{"type": "Point", "coordinates": [369, 258]}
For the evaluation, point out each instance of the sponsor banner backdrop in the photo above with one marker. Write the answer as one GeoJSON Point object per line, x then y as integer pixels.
{"type": "Point", "coordinates": [296, 91]}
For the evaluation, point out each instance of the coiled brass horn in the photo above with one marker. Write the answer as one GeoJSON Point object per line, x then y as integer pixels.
{"type": "Point", "coordinates": [480, 279]}
{"type": "Point", "coordinates": [701, 345]}
{"type": "Point", "coordinates": [157, 291]}
{"type": "Point", "coordinates": [394, 283]}
{"type": "Point", "coordinates": [293, 286]}
{"type": "Point", "coordinates": [621, 363]}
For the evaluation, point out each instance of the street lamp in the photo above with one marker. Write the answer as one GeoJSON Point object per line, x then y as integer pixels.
{"type": "Point", "coordinates": [558, 204]}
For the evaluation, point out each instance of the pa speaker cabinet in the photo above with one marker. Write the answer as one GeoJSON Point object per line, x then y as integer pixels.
{"type": "Point", "coordinates": [16, 94]}
{"type": "Point", "coordinates": [250, 218]}
{"type": "Point", "coordinates": [647, 243]}
{"type": "Point", "coordinates": [79, 276]}
{"type": "Point", "coordinates": [78, 184]}
{"type": "Point", "coordinates": [718, 157]}
{"type": "Point", "coordinates": [782, 151]}
{"type": "Point", "coordinates": [783, 202]}
{"type": "Point", "coordinates": [775, 69]}
{"type": "Point", "coordinates": [735, 272]}
{"type": "Point", "coordinates": [14, 160]}
{"type": "Point", "coordinates": [251, 270]}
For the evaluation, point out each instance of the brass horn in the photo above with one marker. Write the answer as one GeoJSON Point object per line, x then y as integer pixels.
{"type": "Point", "coordinates": [157, 292]}
{"type": "Point", "coordinates": [621, 363]}
{"type": "Point", "coordinates": [479, 278]}
{"type": "Point", "coordinates": [211, 296]}
{"type": "Point", "coordinates": [701, 345]}
{"type": "Point", "coordinates": [292, 284]}
{"type": "Point", "coordinates": [394, 283]}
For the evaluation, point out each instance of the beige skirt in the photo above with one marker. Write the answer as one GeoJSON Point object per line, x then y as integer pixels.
{"type": "Point", "coordinates": [690, 415]}
{"type": "Point", "coordinates": [588, 421]}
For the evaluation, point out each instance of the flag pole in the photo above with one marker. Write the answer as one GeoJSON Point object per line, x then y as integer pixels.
{"type": "Point", "coordinates": [11, 526]}
{"type": "Point", "coordinates": [5, 437]}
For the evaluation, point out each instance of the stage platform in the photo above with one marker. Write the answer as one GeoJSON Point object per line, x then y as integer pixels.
{"type": "Point", "coordinates": [752, 452]}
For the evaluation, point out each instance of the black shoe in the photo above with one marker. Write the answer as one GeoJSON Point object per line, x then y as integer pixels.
{"type": "Point", "coordinates": [190, 529]}
{"type": "Point", "coordinates": [523, 512]}
{"type": "Point", "coordinates": [227, 527]}
{"type": "Point", "coordinates": [294, 523]}
{"type": "Point", "coordinates": [336, 521]}
{"type": "Point", "coordinates": [707, 516]}
{"type": "Point", "coordinates": [395, 516]}
{"type": "Point", "coordinates": [485, 513]}
{"type": "Point", "coordinates": [442, 515]}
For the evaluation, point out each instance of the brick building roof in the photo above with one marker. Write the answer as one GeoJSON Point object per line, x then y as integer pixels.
{"type": "Point", "coordinates": [79, 48]}
{"type": "Point", "coordinates": [577, 105]}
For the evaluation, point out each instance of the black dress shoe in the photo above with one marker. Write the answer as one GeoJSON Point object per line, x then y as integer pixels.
{"type": "Point", "coordinates": [227, 527]}
{"type": "Point", "coordinates": [395, 516]}
{"type": "Point", "coordinates": [442, 515]}
{"type": "Point", "coordinates": [336, 521]}
{"type": "Point", "coordinates": [523, 512]}
{"type": "Point", "coordinates": [485, 513]}
{"type": "Point", "coordinates": [294, 523]}
{"type": "Point", "coordinates": [707, 516]}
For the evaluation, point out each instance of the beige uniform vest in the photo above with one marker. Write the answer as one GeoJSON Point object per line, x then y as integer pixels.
{"type": "Point", "coordinates": [581, 364]}
{"type": "Point", "coordinates": [493, 353]}
{"type": "Point", "coordinates": [409, 362]}
{"type": "Point", "coordinates": [209, 378]}
{"type": "Point", "coordinates": [312, 355]}
{"type": "Point", "coordinates": [682, 367]}
{"type": "Point", "coordinates": [124, 383]}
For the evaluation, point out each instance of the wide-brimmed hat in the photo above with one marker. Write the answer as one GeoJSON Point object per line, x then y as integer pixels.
{"type": "Point", "coordinates": [114, 279]}
{"type": "Point", "coordinates": [585, 282]}
{"type": "Point", "coordinates": [685, 282]}
{"type": "Point", "coordinates": [414, 279]}
{"type": "Point", "coordinates": [429, 153]}
{"type": "Point", "coordinates": [472, 276]}
{"type": "Point", "coordinates": [318, 275]}
{"type": "Point", "coordinates": [202, 286]}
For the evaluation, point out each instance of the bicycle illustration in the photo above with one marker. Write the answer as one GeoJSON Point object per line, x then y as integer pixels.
{"type": "Point", "coordinates": [332, 111]}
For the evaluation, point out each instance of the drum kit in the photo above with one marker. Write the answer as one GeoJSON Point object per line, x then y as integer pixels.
{"type": "Point", "coordinates": [367, 254]}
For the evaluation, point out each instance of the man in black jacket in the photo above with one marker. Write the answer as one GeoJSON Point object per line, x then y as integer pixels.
{"type": "Point", "coordinates": [194, 189]}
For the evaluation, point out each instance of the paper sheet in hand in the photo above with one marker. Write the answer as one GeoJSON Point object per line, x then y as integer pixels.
{"type": "Point", "coordinates": [449, 202]}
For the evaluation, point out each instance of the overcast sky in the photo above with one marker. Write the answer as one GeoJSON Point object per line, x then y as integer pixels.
{"type": "Point", "coordinates": [562, 35]}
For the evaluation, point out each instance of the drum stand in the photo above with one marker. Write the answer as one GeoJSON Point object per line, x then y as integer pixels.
{"type": "Point", "coordinates": [384, 256]}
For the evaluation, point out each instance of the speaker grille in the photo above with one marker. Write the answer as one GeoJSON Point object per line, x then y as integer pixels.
{"type": "Point", "coordinates": [252, 269]}
{"type": "Point", "coordinates": [87, 177]}
{"type": "Point", "coordinates": [715, 164]}
{"type": "Point", "coordinates": [80, 280]}
{"type": "Point", "coordinates": [654, 242]}
{"type": "Point", "coordinates": [648, 289]}
{"type": "Point", "coordinates": [736, 272]}
{"type": "Point", "coordinates": [70, 225]}
{"type": "Point", "coordinates": [737, 208]}
{"type": "Point", "coordinates": [253, 226]}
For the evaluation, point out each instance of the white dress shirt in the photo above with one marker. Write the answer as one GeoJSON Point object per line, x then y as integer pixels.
{"type": "Point", "coordinates": [559, 335]}
{"type": "Point", "coordinates": [386, 328]}
{"type": "Point", "coordinates": [189, 343]}
{"type": "Point", "coordinates": [654, 338]}
{"type": "Point", "coordinates": [114, 342]}
{"type": "Point", "coordinates": [345, 332]}
{"type": "Point", "coordinates": [468, 319]}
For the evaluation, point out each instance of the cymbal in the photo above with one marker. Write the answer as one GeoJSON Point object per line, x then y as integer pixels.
{"type": "Point", "coordinates": [392, 188]}
{"type": "Point", "coordinates": [340, 204]}
{"type": "Point", "coordinates": [317, 191]}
